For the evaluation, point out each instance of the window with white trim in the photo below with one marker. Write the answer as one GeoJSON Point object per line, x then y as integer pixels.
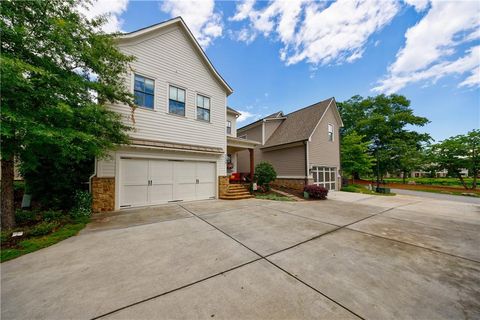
{"type": "Point", "coordinates": [330, 132]}
{"type": "Point", "coordinates": [229, 127]}
{"type": "Point", "coordinates": [143, 91]}
{"type": "Point", "coordinates": [325, 177]}
{"type": "Point", "coordinates": [176, 101]}
{"type": "Point", "coordinates": [203, 108]}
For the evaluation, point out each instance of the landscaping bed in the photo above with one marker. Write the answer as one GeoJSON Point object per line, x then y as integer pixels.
{"type": "Point", "coordinates": [448, 189]}
{"type": "Point", "coordinates": [36, 228]}
{"type": "Point", "coordinates": [271, 195]}
{"type": "Point", "coordinates": [358, 188]}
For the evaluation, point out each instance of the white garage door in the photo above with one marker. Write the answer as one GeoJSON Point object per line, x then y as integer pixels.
{"type": "Point", "coordinates": [147, 182]}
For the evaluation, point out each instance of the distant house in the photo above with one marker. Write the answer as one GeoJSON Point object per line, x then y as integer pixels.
{"type": "Point", "coordinates": [303, 146]}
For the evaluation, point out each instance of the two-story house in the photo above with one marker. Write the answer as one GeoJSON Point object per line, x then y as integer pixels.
{"type": "Point", "coordinates": [303, 146]}
{"type": "Point", "coordinates": [183, 129]}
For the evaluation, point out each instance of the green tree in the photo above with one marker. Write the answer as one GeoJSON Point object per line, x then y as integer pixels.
{"type": "Point", "coordinates": [354, 155]}
{"type": "Point", "coordinates": [264, 173]}
{"type": "Point", "coordinates": [457, 153]}
{"type": "Point", "coordinates": [55, 63]}
{"type": "Point", "coordinates": [382, 121]}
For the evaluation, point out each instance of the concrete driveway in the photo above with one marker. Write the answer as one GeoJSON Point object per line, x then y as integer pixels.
{"type": "Point", "coordinates": [352, 256]}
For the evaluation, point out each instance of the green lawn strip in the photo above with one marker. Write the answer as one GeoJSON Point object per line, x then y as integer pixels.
{"type": "Point", "coordinates": [272, 196]}
{"type": "Point", "coordinates": [36, 243]}
{"type": "Point", "coordinates": [357, 188]}
{"type": "Point", "coordinates": [447, 182]}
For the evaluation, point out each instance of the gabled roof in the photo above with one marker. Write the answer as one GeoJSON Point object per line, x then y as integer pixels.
{"type": "Point", "coordinates": [278, 114]}
{"type": "Point", "coordinates": [299, 125]}
{"type": "Point", "coordinates": [233, 111]}
{"type": "Point", "coordinates": [179, 21]}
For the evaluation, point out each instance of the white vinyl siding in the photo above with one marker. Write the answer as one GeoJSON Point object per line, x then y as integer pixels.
{"type": "Point", "coordinates": [170, 59]}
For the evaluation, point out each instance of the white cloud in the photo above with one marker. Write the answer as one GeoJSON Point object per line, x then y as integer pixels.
{"type": "Point", "coordinates": [317, 32]}
{"type": "Point", "coordinates": [245, 115]}
{"type": "Point", "coordinates": [200, 17]}
{"type": "Point", "coordinates": [419, 5]}
{"type": "Point", "coordinates": [431, 43]}
{"type": "Point", "coordinates": [467, 64]}
{"type": "Point", "coordinates": [112, 8]}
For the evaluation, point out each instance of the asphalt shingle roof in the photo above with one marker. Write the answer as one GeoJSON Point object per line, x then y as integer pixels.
{"type": "Point", "coordinates": [298, 125]}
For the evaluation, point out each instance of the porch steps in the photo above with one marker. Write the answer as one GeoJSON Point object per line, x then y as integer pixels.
{"type": "Point", "coordinates": [237, 192]}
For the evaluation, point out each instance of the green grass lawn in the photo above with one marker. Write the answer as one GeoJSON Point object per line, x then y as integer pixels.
{"type": "Point", "coordinates": [35, 243]}
{"type": "Point", "coordinates": [357, 188]}
{"type": "Point", "coordinates": [449, 182]}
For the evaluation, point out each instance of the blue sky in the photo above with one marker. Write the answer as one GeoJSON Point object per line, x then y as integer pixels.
{"type": "Point", "coordinates": [284, 55]}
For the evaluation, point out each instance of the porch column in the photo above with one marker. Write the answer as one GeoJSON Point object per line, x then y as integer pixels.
{"type": "Point", "coordinates": [251, 164]}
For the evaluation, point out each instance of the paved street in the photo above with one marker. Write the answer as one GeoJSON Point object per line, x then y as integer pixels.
{"type": "Point", "coordinates": [352, 256]}
{"type": "Point", "coordinates": [464, 199]}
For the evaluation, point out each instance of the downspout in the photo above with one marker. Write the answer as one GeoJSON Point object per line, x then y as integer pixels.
{"type": "Point", "coordinates": [306, 162]}
{"type": "Point", "coordinates": [91, 176]}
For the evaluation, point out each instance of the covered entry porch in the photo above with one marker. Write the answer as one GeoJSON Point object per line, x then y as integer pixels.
{"type": "Point", "coordinates": [235, 145]}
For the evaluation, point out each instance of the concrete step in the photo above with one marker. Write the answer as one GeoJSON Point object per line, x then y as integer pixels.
{"type": "Point", "coordinates": [242, 193]}
{"type": "Point", "coordinates": [236, 197]}
{"type": "Point", "coordinates": [235, 187]}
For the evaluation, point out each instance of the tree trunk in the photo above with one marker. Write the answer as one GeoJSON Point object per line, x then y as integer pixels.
{"type": "Point", "coordinates": [353, 178]}
{"type": "Point", "coordinates": [8, 209]}
{"type": "Point", "coordinates": [462, 181]}
{"type": "Point", "coordinates": [474, 183]}
{"type": "Point", "coordinates": [404, 178]}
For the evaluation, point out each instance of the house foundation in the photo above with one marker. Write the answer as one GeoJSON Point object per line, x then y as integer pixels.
{"type": "Point", "coordinates": [297, 184]}
{"type": "Point", "coordinates": [103, 194]}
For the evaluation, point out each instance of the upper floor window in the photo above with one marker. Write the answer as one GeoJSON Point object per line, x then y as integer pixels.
{"type": "Point", "coordinates": [229, 127]}
{"type": "Point", "coordinates": [330, 132]}
{"type": "Point", "coordinates": [143, 91]}
{"type": "Point", "coordinates": [203, 108]}
{"type": "Point", "coordinates": [176, 101]}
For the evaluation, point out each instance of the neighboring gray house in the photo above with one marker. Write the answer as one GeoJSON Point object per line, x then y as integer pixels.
{"type": "Point", "coordinates": [178, 149]}
{"type": "Point", "coordinates": [303, 146]}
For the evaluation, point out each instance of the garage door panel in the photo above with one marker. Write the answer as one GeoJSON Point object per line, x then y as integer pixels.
{"type": "Point", "coordinates": [161, 171]}
{"type": "Point", "coordinates": [206, 180]}
{"type": "Point", "coordinates": [160, 193]}
{"type": "Point", "coordinates": [206, 172]}
{"type": "Point", "coordinates": [184, 172]}
{"type": "Point", "coordinates": [134, 195]}
{"type": "Point", "coordinates": [134, 172]}
{"type": "Point", "coordinates": [185, 191]}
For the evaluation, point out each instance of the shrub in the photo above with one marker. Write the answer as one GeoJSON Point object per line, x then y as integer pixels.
{"type": "Point", "coordinates": [43, 228]}
{"type": "Point", "coordinates": [26, 217]}
{"type": "Point", "coordinates": [316, 192]}
{"type": "Point", "coordinates": [264, 174]}
{"type": "Point", "coordinates": [82, 206]}
{"type": "Point", "coordinates": [52, 215]}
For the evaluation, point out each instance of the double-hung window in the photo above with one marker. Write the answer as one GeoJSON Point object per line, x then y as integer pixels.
{"type": "Point", "coordinates": [144, 91]}
{"type": "Point", "coordinates": [229, 127]}
{"type": "Point", "coordinates": [176, 101]}
{"type": "Point", "coordinates": [330, 132]}
{"type": "Point", "coordinates": [203, 108]}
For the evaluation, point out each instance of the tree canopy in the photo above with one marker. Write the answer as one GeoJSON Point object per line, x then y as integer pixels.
{"type": "Point", "coordinates": [355, 156]}
{"type": "Point", "coordinates": [383, 122]}
{"type": "Point", "coordinates": [57, 70]}
{"type": "Point", "coordinates": [457, 153]}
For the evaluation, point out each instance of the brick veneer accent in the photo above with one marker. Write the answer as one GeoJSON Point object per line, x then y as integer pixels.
{"type": "Point", "coordinates": [223, 182]}
{"type": "Point", "coordinates": [296, 184]}
{"type": "Point", "coordinates": [103, 193]}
